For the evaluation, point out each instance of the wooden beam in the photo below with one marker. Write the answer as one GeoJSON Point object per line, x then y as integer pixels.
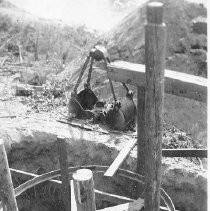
{"type": "Point", "coordinates": [63, 159]}
{"type": "Point", "coordinates": [132, 206]}
{"type": "Point", "coordinates": [200, 153]}
{"type": "Point", "coordinates": [112, 197]}
{"type": "Point", "coordinates": [31, 175]}
{"type": "Point", "coordinates": [176, 83]}
{"type": "Point", "coordinates": [155, 42]}
{"type": "Point", "coordinates": [111, 171]}
{"type": "Point", "coordinates": [73, 198]}
{"type": "Point", "coordinates": [7, 193]}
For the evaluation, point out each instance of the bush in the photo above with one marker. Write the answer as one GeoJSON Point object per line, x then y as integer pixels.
{"type": "Point", "coordinates": [5, 23]}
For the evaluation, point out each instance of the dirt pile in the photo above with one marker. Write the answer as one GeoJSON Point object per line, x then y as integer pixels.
{"type": "Point", "coordinates": [186, 47]}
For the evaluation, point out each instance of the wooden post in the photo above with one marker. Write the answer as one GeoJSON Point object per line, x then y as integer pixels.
{"type": "Point", "coordinates": [63, 159]}
{"type": "Point", "coordinates": [141, 130]}
{"type": "Point", "coordinates": [84, 190]}
{"type": "Point", "coordinates": [20, 54]}
{"type": "Point", "coordinates": [154, 96]}
{"type": "Point", "coordinates": [140, 136]}
{"type": "Point", "coordinates": [7, 194]}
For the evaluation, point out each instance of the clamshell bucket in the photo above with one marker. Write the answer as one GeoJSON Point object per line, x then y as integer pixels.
{"type": "Point", "coordinates": [80, 103]}
{"type": "Point", "coordinates": [121, 114]}
{"type": "Point", "coordinates": [87, 99]}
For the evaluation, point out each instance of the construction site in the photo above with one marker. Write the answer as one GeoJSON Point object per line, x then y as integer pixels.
{"type": "Point", "coordinates": [110, 121]}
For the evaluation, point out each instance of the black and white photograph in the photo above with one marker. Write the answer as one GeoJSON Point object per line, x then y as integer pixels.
{"type": "Point", "coordinates": [104, 105]}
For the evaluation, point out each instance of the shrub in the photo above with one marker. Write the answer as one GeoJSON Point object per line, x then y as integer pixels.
{"type": "Point", "coordinates": [5, 23]}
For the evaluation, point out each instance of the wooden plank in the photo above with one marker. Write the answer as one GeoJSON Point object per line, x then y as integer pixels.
{"type": "Point", "coordinates": [132, 206]}
{"type": "Point", "coordinates": [112, 197]}
{"type": "Point", "coordinates": [31, 175]}
{"type": "Point", "coordinates": [176, 83]}
{"type": "Point", "coordinates": [201, 153]}
{"type": "Point", "coordinates": [73, 198]}
{"type": "Point", "coordinates": [63, 159]}
{"type": "Point", "coordinates": [7, 193]}
{"type": "Point", "coordinates": [155, 42]}
{"type": "Point", "coordinates": [111, 171]}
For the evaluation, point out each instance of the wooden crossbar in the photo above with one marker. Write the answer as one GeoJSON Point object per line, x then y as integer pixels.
{"type": "Point", "coordinates": [176, 83]}
{"type": "Point", "coordinates": [111, 171]}
{"type": "Point", "coordinates": [200, 153]}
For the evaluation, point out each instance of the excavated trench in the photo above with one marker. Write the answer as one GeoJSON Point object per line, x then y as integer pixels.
{"type": "Point", "coordinates": [31, 146]}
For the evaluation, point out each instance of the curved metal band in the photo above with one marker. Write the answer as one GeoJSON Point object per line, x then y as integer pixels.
{"type": "Point", "coordinates": [97, 168]}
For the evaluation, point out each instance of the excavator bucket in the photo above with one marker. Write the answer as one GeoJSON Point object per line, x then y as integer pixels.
{"type": "Point", "coordinates": [118, 117]}
{"type": "Point", "coordinates": [76, 103]}
{"type": "Point", "coordinates": [87, 99]}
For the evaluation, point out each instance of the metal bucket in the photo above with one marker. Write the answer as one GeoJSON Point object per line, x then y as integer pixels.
{"type": "Point", "coordinates": [87, 99]}
{"type": "Point", "coordinates": [118, 117]}
{"type": "Point", "coordinates": [80, 103]}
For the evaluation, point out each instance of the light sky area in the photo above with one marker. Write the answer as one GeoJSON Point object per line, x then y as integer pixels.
{"type": "Point", "coordinates": [95, 14]}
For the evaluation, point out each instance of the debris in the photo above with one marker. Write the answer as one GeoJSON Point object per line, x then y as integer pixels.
{"type": "Point", "coordinates": [23, 90]}
{"type": "Point", "coordinates": [3, 61]}
{"type": "Point", "coordinates": [11, 116]}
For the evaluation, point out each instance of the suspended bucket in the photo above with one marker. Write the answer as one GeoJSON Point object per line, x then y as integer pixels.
{"type": "Point", "coordinates": [87, 98]}
{"type": "Point", "coordinates": [121, 114]}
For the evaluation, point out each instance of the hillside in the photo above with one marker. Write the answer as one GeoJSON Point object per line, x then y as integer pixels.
{"type": "Point", "coordinates": [185, 51]}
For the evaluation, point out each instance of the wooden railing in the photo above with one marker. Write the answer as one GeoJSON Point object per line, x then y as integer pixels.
{"type": "Point", "coordinates": [176, 83]}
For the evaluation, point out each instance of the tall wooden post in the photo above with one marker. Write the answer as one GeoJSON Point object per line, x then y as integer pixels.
{"type": "Point", "coordinates": [7, 194]}
{"type": "Point", "coordinates": [84, 190]}
{"type": "Point", "coordinates": [154, 96]}
{"type": "Point", "coordinates": [63, 159]}
{"type": "Point", "coordinates": [140, 137]}
{"type": "Point", "coordinates": [141, 130]}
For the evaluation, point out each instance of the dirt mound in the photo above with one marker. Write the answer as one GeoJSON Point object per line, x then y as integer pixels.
{"type": "Point", "coordinates": [126, 41]}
